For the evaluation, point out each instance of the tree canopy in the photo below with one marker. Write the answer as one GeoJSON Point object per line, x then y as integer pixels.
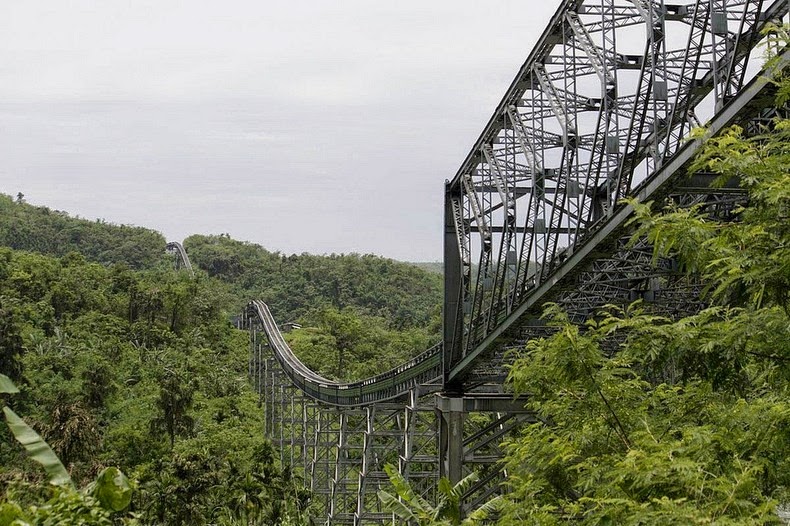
{"type": "Point", "coordinates": [39, 229]}
{"type": "Point", "coordinates": [124, 362]}
{"type": "Point", "coordinates": [297, 285]}
{"type": "Point", "coordinates": [141, 371]}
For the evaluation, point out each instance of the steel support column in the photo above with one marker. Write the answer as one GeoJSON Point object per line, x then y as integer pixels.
{"type": "Point", "coordinates": [419, 463]}
{"type": "Point", "coordinates": [456, 270]}
{"type": "Point", "coordinates": [472, 444]}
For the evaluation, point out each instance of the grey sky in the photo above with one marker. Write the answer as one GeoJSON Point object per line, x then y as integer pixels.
{"type": "Point", "coordinates": [302, 126]}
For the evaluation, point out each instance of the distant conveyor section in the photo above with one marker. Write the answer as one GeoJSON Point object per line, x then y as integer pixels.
{"type": "Point", "coordinates": [423, 369]}
{"type": "Point", "coordinates": [174, 247]}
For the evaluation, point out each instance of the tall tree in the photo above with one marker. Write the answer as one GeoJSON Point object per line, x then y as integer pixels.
{"type": "Point", "coordinates": [173, 405]}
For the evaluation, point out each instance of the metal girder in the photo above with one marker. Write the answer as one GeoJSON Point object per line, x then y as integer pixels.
{"type": "Point", "coordinates": [182, 260]}
{"type": "Point", "coordinates": [529, 230]}
{"type": "Point", "coordinates": [383, 443]}
{"type": "Point", "coordinates": [595, 55]}
{"type": "Point", "coordinates": [457, 276]}
{"type": "Point", "coordinates": [570, 262]}
{"type": "Point", "coordinates": [606, 118]}
{"type": "Point", "coordinates": [503, 290]}
{"type": "Point", "coordinates": [557, 103]}
{"type": "Point", "coordinates": [526, 145]}
{"type": "Point", "coordinates": [484, 279]}
{"type": "Point", "coordinates": [348, 451]}
{"type": "Point", "coordinates": [340, 453]}
{"type": "Point", "coordinates": [419, 461]}
{"type": "Point", "coordinates": [467, 445]}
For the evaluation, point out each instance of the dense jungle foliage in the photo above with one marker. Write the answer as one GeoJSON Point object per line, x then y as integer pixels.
{"type": "Point", "coordinates": [138, 370]}
{"type": "Point", "coordinates": [39, 229]}
{"type": "Point", "coordinates": [360, 314]}
{"type": "Point", "coordinates": [297, 285]}
{"type": "Point", "coordinates": [141, 369]}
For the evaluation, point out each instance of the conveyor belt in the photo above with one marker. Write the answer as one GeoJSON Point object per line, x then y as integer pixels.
{"type": "Point", "coordinates": [423, 369]}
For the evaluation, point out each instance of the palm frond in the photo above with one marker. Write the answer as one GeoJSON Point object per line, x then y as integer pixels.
{"type": "Point", "coordinates": [484, 511]}
{"type": "Point", "coordinates": [405, 491]}
{"type": "Point", "coordinates": [7, 386]}
{"type": "Point", "coordinates": [391, 503]}
{"type": "Point", "coordinates": [464, 484]}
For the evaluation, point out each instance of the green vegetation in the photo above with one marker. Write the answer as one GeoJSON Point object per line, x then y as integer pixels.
{"type": "Point", "coordinates": [141, 371]}
{"type": "Point", "coordinates": [39, 229]}
{"type": "Point", "coordinates": [344, 345]}
{"type": "Point", "coordinates": [361, 314]}
{"type": "Point", "coordinates": [689, 422]}
{"type": "Point", "coordinates": [410, 507]}
{"type": "Point", "coordinates": [298, 285]}
{"type": "Point", "coordinates": [435, 267]}
{"type": "Point", "coordinates": [111, 491]}
{"type": "Point", "coordinates": [123, 362]}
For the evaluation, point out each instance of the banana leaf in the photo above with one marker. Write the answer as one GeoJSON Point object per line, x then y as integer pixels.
{"type": "Point", "coordinates": [6, 385]}
{"type": "Point", "coordinates": [37, 448]}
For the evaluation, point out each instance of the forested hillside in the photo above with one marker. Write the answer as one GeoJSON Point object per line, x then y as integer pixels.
{"type": "Point", "coordinates": [435, 267]}
{"type": "Point", "coordinates": [296, 285]}
{"type": "Point", "coordinates": [293, 285]}
{"type": "Point", "coordinates": [138, 370]}
{"type": "Point", "coordinates": [123, 361]}
{"type": "Point", "coordinates": [360, 314]}
{"type": "Point", "coordinates": [39, 229]}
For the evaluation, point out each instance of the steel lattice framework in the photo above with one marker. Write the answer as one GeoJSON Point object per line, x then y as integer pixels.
{"type": "Point", "coordinates": [598, 113]}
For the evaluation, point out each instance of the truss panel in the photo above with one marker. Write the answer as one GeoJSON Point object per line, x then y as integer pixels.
{"type": "Point", "coordinates": [601, 106]}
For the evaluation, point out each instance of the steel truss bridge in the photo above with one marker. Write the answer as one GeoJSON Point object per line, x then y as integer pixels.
{"type": "Point", "coordinates": [599, 112]}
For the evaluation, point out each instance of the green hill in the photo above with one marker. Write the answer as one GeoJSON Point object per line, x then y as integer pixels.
{"type": "Point", "coordinates": [295, 286]}
{"type": "Point", "coordinates": [434, 267]}
{"type": "Point", "coordinates": [361, 313]}
{"type": "Point", "coordinates": [139, 370]}
{"type": "Point", "coordinates": [39, 229]}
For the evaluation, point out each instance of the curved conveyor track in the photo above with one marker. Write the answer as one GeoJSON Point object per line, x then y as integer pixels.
{"type": "Point", "coordinates": [426, 368]}
{"type": "Point", "coordinates": [174, 247]}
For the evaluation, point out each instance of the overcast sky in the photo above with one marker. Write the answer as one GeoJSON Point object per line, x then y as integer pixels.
{"type": "Point", "coordinates": [304, 126]}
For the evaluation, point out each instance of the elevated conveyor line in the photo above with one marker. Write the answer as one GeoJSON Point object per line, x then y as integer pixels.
{"type": "Point", "coordinates": [174, 247]}
{"type": "Point", "coordinates": [423, 369]}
